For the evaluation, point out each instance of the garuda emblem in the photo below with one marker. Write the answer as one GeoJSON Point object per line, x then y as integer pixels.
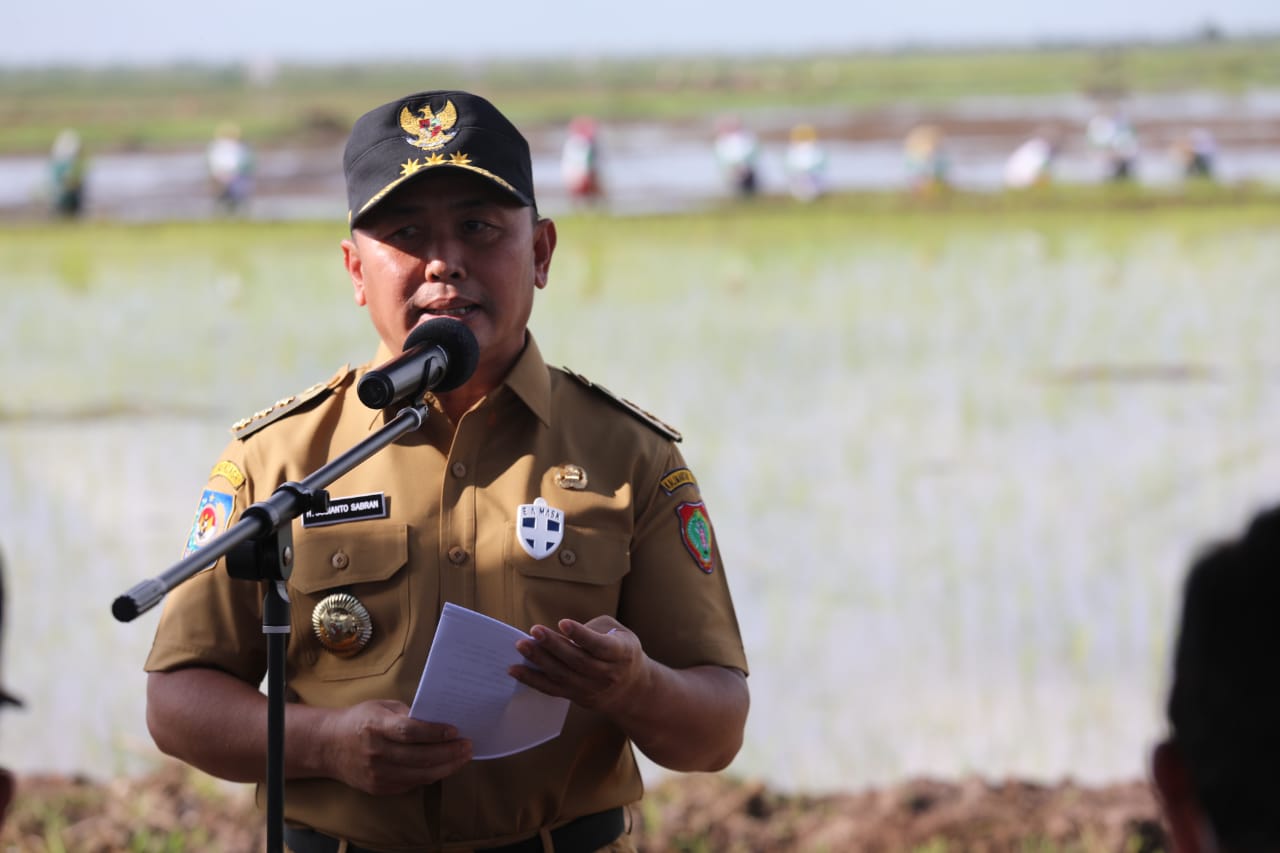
{"type": "Point", "coordinates": [428, 130]}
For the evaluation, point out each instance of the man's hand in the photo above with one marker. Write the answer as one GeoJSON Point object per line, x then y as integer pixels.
{"type": "Point", "coordinates": [378, 748]}
{"type": "Point", "coordinates": [598, 665]}
{"type": "Point", "coordinates": [688, 719]}
{"type": "Point", "coordinates": [218, 723]}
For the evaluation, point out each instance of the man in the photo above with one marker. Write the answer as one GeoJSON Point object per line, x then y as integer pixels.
{"type": "Point", "coordinates": [1216, 772]}
{"type": "Point", "coordinates": [629, 611]}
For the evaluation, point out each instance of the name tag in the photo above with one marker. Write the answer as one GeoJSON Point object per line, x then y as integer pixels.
{"type": "Point", "coordinates": [352, 508]}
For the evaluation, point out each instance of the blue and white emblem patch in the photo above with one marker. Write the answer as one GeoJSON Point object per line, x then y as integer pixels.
{"type": "Point", "coordinates": [539, 528]}
{"type": "Point", "coordinates": [211, 519]}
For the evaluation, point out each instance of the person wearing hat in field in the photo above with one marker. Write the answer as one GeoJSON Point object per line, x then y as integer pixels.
{"type": "Point", "coordinates": [621, 588]}
{"type": "Point", "coordinates": [1216, 770]}
{"type": "Point", "coordinates": [806, 162]}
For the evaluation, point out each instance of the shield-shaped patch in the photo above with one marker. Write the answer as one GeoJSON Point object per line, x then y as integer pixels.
{"type": "Point", "coordinates": [539, 528]}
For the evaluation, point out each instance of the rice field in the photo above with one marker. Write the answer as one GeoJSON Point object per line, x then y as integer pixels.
{"type": "Point", "coordinates": [957, 461]}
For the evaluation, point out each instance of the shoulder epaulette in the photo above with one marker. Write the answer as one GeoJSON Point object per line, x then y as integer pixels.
{"type": "Point", "coordinates": [301, 401]}
{"type": "Point", "coordinates": [651, 420]}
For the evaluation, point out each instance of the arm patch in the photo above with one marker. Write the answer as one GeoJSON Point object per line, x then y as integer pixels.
{"type": "Point", "coordinates": [652, 421]}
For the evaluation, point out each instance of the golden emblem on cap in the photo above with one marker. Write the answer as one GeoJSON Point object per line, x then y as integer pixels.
{"type": "Point", "coordinates": [571, 477]}
{"type": "Point", "coordinates": [342, 624]}
{"type": "Point", "coordinates": [428, 130]}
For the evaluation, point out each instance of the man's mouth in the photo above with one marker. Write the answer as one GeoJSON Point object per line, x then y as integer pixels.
{"type": "Point", "coordinates": [460, 311]}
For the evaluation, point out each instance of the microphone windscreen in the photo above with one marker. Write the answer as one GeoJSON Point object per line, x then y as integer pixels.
{"type": "Point", "coordinates": [456, 340]}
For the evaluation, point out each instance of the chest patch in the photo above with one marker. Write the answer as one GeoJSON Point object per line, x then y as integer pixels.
{"type": "Point", "coordinates": [539, 528]}
{"type": "Point", "coordinates": [353, 508]}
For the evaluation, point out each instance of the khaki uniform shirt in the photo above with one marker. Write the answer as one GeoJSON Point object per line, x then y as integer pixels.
{"type": "Point", "coordinates": [637, 544]}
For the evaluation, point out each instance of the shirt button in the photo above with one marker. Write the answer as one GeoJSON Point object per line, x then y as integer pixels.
{"type": "Point", "coordinates": [567, 557]}
{"type": "Point", "coordinates": [457, 555]}
{"type": "Point", "coordinates": [340, 560]}
{"type": "Point", "coordinates": [459, 470]}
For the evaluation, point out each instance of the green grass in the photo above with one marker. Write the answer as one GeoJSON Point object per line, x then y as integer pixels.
{"type": "Point", "coordinates": [124, 107]}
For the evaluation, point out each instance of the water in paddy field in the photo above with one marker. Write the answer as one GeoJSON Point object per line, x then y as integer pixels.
{"type": "Point", "coordinates": [956, 489]}
{"type": "Point", "coordinates": [654, 167]}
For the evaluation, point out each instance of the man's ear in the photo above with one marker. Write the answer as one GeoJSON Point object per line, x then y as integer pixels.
{"type": "Point", "coordinates": [351, 260]}
{"type": "Point", "coordinates": [1183, 813]}
{"type": "Point", "coordinates": [544, 246]}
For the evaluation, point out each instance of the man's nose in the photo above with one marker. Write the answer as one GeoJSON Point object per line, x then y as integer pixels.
{"type": "Point", "coordinates": [442, 266]}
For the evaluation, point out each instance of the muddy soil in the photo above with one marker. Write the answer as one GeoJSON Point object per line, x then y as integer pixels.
{"type": "Point", "coordinates": [708, 813]}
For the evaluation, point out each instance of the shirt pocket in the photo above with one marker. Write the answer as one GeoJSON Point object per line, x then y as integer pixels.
{"type": "Point", "coordinates": [581, 579]}
{"type": "Point", "coordinates": [366, 561]}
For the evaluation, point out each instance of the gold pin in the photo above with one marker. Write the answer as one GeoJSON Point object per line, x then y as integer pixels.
{"type": "Point", "coordinates": [571, 477]}
{"type": "Point", "coordinates": [342, 624]}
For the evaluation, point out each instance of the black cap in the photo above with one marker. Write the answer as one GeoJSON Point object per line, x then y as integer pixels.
{"type": "Point", "coordinates": [417, 133]}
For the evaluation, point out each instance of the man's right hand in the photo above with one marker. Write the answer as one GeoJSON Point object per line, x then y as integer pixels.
{"type": "Point", "coordinates": [218, 723]}
{"type": "Point", "coordinates": [378, 748]}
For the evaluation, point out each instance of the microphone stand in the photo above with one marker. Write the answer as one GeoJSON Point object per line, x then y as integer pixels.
{"type": "Point", "coordinates": [259, 547]}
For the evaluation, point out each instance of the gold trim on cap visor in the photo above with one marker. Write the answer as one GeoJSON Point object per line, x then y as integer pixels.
{"type": "Point", "coordinates": [412, 167]}
{"type": "Point", "coordinates": [342, 624]}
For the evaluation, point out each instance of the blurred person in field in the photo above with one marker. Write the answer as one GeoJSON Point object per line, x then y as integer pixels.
{"type": "Point", "coordinates": [7, 699]}
{"type": "Point", "coordinates": [806, 163]}
{"type": "Point", "coordinates": [1196, 153]}
{"type": "Point", "coordinates": [738, 154]}
{"type": "Point", "coordinates": [229, 160]}
{"type": "Point", "coordinates": [67, 167]}
{"type": "Point", "coordinates": [580, 162]}
{"type": "Point", "coordinates": [1217, 771]}
{"type": "Point", "coordinates": [1115, 136]}
{"type": "Point", "coordinates": [1031, 163]}
{"type": "Point", "coordinates": [926, 160]}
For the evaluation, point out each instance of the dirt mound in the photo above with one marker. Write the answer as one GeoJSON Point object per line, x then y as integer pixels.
{"type": "Point", "coordinates": [716, 814]}
{"type": "Point", "coordinates": [175, 809]}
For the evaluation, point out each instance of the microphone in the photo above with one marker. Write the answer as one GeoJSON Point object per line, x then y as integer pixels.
{"type": "Point", "coordinates": [438, 354]}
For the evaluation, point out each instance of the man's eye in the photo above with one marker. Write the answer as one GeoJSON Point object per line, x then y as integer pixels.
{"type": "Point", "coordinates": [406, 232]}
{"type": "Point", "coordinates": [475, 226]}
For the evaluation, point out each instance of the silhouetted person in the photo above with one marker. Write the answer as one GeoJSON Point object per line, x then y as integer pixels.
{"type": "Point", "coordinates": [7, 699]}
{"type": "Point", "coordinates": [1218, 772]}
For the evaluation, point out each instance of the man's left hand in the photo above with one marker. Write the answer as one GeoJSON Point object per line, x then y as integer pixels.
{"type": "Point", "coordinates": [597, 665]}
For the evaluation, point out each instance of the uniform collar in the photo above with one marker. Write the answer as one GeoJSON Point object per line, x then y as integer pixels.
{"type": "Point", "coordinates": [531, 382]}
{"type": "Point", "coordinates": [528, 378]}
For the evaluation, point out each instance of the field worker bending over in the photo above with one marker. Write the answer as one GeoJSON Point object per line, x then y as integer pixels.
{"type": "Point", "coordinates": [626, 600]}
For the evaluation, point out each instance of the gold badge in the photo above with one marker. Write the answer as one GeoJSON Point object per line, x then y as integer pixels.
{"type": "Point", "coordinates": [571, 477]}
{"type": "Point", "coordinates": [427, 130]}
{"type": "Point", "coordinates": [342, 624]}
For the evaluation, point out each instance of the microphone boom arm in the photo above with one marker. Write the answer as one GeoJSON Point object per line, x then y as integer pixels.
{"type": "Point", "coordinates": [286, 503]}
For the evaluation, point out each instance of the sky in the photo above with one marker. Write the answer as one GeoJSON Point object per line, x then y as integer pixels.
{"type": "Point", "coordinates": [146, 32]}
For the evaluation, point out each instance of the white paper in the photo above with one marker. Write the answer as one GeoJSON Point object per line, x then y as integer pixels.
{"type": "Point", "coordinates": [465, 683]}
